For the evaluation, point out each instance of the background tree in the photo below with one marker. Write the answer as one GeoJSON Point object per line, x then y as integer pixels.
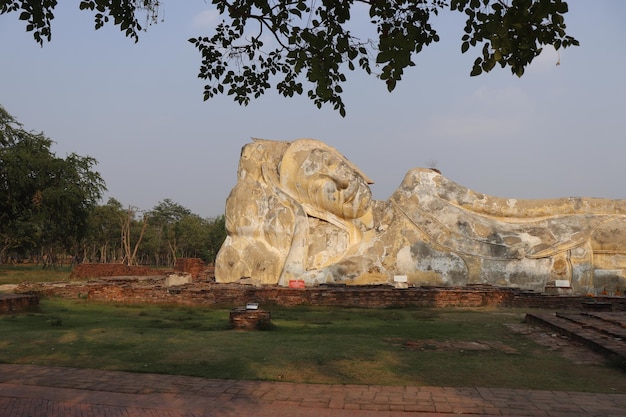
{"type": "Point", "coordinates": [45, 200]}
{"type": "Point", "coordinates": [166, 218]}
{"type": "Point", "coordinates": [132, 232]}
{"type": "Point", "coordinates": [217, 235]}
{"type": "Point", "coordinates": [315, 41]}
{"type": "Point", "coordinates": [103, 242]}
{"type": "Point", "coordinates": [193, 233]}
{"type": "Point", "coordinates": [158, 237]}
{"type": "Point", "coordinates": [176, 232]}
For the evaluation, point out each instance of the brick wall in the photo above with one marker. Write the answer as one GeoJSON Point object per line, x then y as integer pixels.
{"type": "Point", "coordinates": [193, 266]}
{"type": "Point", "coordinates": [111, 270]}
{"type": "Point", "coordinates": [232, 295]}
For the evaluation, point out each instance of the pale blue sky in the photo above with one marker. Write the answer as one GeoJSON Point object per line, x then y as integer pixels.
{"type": "Point", "coordinates": [137, 108]}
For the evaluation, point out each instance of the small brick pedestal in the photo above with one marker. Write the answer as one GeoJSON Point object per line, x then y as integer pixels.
{"type": "Point", "coordinates": [244, 319]}
{"type": "Point", "coordinates": [12, 303]}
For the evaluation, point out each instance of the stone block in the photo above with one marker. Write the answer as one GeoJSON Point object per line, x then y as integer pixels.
{"type": "Point", "coordinates": [178, 279]}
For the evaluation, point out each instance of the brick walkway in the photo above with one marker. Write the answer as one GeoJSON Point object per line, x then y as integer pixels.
{"type": "Point", "coordinates": [35, 391]}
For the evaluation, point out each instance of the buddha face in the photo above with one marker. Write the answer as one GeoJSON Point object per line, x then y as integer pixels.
{"type": "Point", "coordinates": [328, 181]}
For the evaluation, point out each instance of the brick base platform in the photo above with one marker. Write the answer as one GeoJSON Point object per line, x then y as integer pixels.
{"type": "Point", "coordinates": [603, 332]}
{"type": "Point", "coordinates": [129, 290]}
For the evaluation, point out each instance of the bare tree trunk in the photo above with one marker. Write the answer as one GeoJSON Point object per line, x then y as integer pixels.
{"type": "Point", "coordinates": [126, 238]}
{"type": "Point", "coordinates": [130, 252]}
{"type": "Point", "coordinates": [173, 249]}
{"type": "Point", "coordinates": [3, 252]}
{"type": "Point", "coordinates": [143, 229]}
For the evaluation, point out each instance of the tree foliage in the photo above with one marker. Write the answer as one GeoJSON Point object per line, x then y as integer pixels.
{"type": "Point", "coordinates": [45, 200]}
{"type": "Point", "coordinates": [166, 219]}
{"type": "Point", "coordinates": [49, 207]}
{"type": "Point", "coordinates": [176, 232]}
{"type": "Point", "coordinates": [38, 14]}
{"type": "Point", "coordinates": [103, 241]}
{"type": "Point", "coordinates": [315, 41]}
{"type": "Point", "coordinates": [158, 237]}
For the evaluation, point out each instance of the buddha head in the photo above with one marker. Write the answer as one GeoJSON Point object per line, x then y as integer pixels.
{"type": "Point", "coordinates": [317, 174]}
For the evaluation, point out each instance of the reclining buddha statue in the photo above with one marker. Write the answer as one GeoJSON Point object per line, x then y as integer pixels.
{"type": "Point", "coordinates": [301, 211]}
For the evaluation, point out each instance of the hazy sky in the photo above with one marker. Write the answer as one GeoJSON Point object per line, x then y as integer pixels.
{"type": "Point", "coordinates": [137, 109]}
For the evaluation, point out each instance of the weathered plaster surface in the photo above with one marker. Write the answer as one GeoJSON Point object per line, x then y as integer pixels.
{"type": "Point", "coordinates": [301, 210]}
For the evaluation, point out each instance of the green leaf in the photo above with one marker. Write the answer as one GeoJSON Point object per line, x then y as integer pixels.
{"type": "Point", "coordinates": [391, 84]}
{"type": "Point", "coordinates": [488, 64]}
{"type": "Point", "coordinates": [561, 7]}
{"type": "Point", "coordinates": [384, 56]}
{"type": "Point", "coordinates": [476, 69]}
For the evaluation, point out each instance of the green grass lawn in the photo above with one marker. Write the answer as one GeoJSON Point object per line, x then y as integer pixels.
{"type": "Point", "coordinates": [16, 274]}
{"type": "Point", "coordinates": [317, 345]}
